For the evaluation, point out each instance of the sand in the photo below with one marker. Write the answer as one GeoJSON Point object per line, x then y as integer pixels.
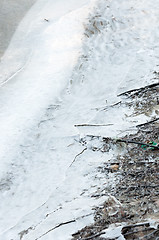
{"type": "Point", "coordinates": [11, 13]}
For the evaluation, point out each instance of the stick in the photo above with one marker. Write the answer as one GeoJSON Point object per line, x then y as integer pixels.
{"type": "Point", "coordinates": [93, 236]}
{"type": "Point", "coordinates": [126, 141]}
{"type": "Point", "coordinates": [113, 105]}
{"type": "Point", "coordinates": [77, 156]}
{"type": "Point", "coordinates": [143, 124]}
{"type": "Point", "coordinates": [137, 231]}
{"type": "Point", "coordinates": [139, 143]}
{"type": "Point", "coordinates": [149, 235]}
{"type": "Point", "coordinates": [138, 89]}
{"type": "Point", "coordinates": [59, 225]}
{"type": "Point", "coordinates": [146, 224]}
{"type": "Point", "coordinates": [105, 108]}
{"type": "Point", "coordinates": [93, 125]}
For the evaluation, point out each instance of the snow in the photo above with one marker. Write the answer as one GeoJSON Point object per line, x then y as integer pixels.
{"type": "Point", "coordinates": [114, 231]}
{"type": "Point", "coordinates": [44, 72]}
{"type": "Point", "coordinates": [56, 74]}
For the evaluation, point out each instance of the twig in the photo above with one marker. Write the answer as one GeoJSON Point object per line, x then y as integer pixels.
{"type": "Point", "coordinates": [126, 141]}
{"type": "Point", "coordinates": [139, 143]}
{"type": "Point", "coordinates": [132, 187]}
{"type": "Point", "coordinates": [149, 235]}
{"type": "Point", "coordinates": [64, 223]}
{"type": "Point", "coordinates": [93, 136]}
{"type": "Point", "coordinates": [138, 89]}
{"type": "Point", "coordinates": [59, 225]}
{"type": "Point", "coordinates": [138, 231]}
{"type": "Point", "coordinates": [150, 186]}
{"type": "Point", "coordinates": [93, 236]}
{"type": "Point", "coordinates": [146, 224]}
{"type": "Point", "coordinates": [143, 124]}
{"type": "Point", "coordinates": [93, 125]}
{"type": "Point", "coordinates": [94, 25]}
{"type": "Point", "coordinates": [77, 156]}
{"type": "Point", "coordinates": [105, 108]}
{"type": "Point", "coordinates": [113, 105]}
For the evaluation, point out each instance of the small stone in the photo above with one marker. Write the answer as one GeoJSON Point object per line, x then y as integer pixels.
{"type": "Point", "coordinates": [115, 167]}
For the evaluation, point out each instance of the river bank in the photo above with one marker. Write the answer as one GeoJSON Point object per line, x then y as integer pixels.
{"type": "Point", "coordinates": [62, 112]}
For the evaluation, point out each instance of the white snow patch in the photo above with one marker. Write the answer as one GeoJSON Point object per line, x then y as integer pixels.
{"type": "Point", "coordinates": [114, 231]}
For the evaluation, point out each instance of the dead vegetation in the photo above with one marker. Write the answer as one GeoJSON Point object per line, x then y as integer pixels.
{"type": "Point", "coordinates": [134, 201]}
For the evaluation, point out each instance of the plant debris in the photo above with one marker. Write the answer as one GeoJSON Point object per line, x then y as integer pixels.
{"type": "Point", "coordinates": [133, 203]}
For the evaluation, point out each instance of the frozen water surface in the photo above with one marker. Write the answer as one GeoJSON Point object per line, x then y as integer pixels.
{"type": "Point", "coordinates": [11, 13]}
